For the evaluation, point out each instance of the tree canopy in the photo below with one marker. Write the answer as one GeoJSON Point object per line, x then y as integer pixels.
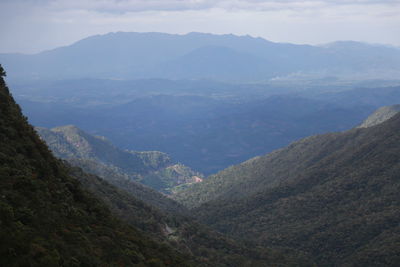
{"type": "Point", "coordinates": [2, 72]}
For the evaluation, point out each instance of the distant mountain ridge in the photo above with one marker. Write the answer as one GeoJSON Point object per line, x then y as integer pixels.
{"type": "Point", "coordinates": [130, 55]}
{"type": "Point", "coordinates": [152, 168]}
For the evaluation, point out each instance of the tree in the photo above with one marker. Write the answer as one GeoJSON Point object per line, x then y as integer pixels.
{"type": "Point", "coordinates": [2, 72]}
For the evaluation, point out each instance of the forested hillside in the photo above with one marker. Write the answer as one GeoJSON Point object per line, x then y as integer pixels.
{"type": "Point", "coordinates": [207, 247]}
{"type": "Point", "coordinates": [47, 219]}
{"type": "Point", "coordinates": [97, 155]}
{"type": "Point", "coordinates": [333, 196]}
{"type": "Point", "coordinates": [124, 182]}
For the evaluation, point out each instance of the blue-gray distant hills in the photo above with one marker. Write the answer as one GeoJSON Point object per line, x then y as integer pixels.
{"type": "Point", "coordinates": [132, 55]}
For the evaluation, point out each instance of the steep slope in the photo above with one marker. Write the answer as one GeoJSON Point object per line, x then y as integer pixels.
{"type": "Point", "coordinates": [381, 115]}
{"type": "Point", "coordinates": [71, 142]}
{"type": "Point", "coordinates": [334, 196]}
{"type": "Point", "coordinates": [152, 168]}
{"type": "Point", "coordinates": [47, 219]}
{"type": "Point", "coordinates": [116, 177]}
{"type": "Point", "coordinates": [207, 247]}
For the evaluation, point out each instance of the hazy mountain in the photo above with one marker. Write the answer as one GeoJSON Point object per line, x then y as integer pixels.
{"type": "Point", "coordinates": [152, 168]}
{"type": "Point", "coordinates": [194, 55]}
{"type": "Point", "coordinates": [217, 63]}
{"type": "Point", "coordinates": [333, 196]}
{"type": "Point", "coordinates": [381, 115]}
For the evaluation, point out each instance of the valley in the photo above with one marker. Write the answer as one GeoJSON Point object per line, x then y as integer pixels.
{"type": "Point", "coordinates": [200, 150]}
{"type": "Point", "coordinates": [333, 196]}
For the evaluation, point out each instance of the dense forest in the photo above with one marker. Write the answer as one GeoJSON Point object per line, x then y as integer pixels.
{"type": "Point", "coordinates": [48, 219]}
{"type": "Point", "coordinates": [332, 196]}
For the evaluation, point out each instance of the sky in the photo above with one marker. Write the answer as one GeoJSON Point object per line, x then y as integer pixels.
{"type": "Point", "coordinates": [31, 26]}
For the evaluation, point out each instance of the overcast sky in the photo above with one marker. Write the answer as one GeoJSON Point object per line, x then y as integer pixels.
{"type": "Point", "coordinates": [30, 26]}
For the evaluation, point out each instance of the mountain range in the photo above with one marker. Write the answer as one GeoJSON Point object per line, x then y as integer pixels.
{"type": "Point", "coordinates": [209, 101]}
{"type": "Point", "coordinates": [130, 55]}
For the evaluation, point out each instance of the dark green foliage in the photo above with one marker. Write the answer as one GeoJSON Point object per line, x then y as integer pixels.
{"type": "Point", "coordinates": [2, 72]}
{"type": "Point", "coordinates": [118, 178]}
{"type": "Point", "coordinates": [47, 219]}
{"type": "Point", "coordinates": [207, 247]}
{"type": "Point", "coordinates": [334, 197]}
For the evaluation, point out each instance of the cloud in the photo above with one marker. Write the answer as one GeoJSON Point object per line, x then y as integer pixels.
{"type": "Point", "coordinates": [34, 25]}
{"type": "Point", "coordinates": [179, 5]}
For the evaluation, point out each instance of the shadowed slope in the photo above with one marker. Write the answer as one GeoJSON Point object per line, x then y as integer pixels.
{"type": "Point", "coordinates": [47, 219]}
{"type": "Point", "coordinates": [334, 196]}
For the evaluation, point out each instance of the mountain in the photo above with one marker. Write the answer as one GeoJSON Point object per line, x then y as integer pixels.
{"type": "Point", "coordinates": [53, 214]}
{"type": "Point", "coordinates": [381, 115]}
{"type": "Point", "coordinates": [207, 247]}
{"type": "Point", "coordinates": [152, 168]}
{"type": "Point", "coordinates": [332, 196]}
{"type": "Point", "coordinates": [216, 63]}
{"type": "Point", "coordinates": [130, 55]}
{"type": "Point", "coordinates": [48, 219]}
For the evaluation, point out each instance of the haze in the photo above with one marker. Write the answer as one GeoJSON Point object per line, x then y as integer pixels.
{"type": "Point", "coordinates": [30, 26]}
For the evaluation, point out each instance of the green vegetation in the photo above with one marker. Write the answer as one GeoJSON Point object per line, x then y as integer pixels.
{"type": "Point", "coordinates": [118, 178]}
{"type": "Point", "coordinates": [206, 246]}
{"type": "Point", "coordinates": [2, 72]}
{"type": "Point", "coordinates": [333, 197]}
{"type": "Point", "coordinates": [47, 219]}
